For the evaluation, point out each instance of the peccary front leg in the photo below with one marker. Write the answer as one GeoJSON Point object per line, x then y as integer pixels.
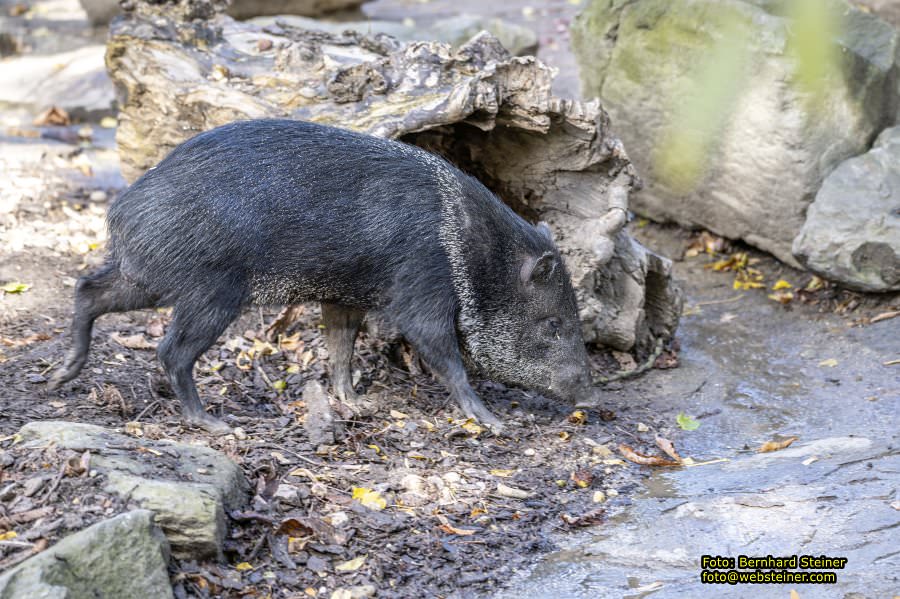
{"type": "Point", "coordinates": [196, 326]}
{"type": "Point", "coordinates": [440, 350]}
{"type": "Point", "coordinates": [341, 327]}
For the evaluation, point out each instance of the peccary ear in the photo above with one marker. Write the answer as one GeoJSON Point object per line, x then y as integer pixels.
{"type": "Point", "coordinates": [538, 270]}
{"type": "Point", "coordinates": [544, 229]}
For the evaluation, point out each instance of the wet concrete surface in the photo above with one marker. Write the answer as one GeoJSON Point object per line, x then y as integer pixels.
{"type": "Point", "coordinates": [751, 371]}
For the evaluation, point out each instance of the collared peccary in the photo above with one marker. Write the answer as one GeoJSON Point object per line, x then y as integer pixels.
{"type": "Point", "coordinates": [282, 212]}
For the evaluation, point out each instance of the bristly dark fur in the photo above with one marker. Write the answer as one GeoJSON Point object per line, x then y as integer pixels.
{"type": "Point", "coordinates": [281, 212]}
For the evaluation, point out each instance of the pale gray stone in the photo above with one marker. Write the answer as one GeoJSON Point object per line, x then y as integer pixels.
{"type": "Point", "coordinates": [188, 487]}
{"type": "Point", "coordinates": [852, 229]}
{"type": "Point", "coordinates": [125, 556]}
{"type": "Point", "coordinates": [773, 155]}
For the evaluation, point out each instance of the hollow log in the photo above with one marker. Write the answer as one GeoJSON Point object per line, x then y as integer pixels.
{"type": "Point", "coordinates": [183, 67]}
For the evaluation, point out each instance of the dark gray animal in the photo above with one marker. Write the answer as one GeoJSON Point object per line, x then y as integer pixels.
{"type": "Point", "coordinates": [283, 212]}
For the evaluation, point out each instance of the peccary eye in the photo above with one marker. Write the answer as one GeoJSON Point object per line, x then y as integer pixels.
{"type": "Point", "coordinates": [553, 326]}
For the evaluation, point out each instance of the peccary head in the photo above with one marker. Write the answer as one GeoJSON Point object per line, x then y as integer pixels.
{"type": "Point", "coordinates": [518, 314]}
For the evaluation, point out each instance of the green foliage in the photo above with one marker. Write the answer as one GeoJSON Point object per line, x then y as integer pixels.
{"type": "Point", "coordinates": [686, 422]}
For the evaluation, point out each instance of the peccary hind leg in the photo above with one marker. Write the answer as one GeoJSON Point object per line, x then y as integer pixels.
{"type": "Point", "coordinates": [96, 294]}
{"type": "Point", "coordinates": [341, 327]}
{"type": "Point", "coordinates": [196, 326]}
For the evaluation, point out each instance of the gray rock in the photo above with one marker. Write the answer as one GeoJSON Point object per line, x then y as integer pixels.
{"type": "Point", "coordinates": [125, 556]}
{"type": "Point", "coordinates": [852, 229]}
{"type": "Point", "coordinates": [829, 497]}
{"type": "Point", "coordinates": [773, 155]}
{"type": "Point", "coordinates": [455, 31]}
{"type": "Point", "coordinates": [188, 487]}
{"type": "Point", "coordinates": [74, 80]}
{"type": "Point", "coordinates": [100, 12]}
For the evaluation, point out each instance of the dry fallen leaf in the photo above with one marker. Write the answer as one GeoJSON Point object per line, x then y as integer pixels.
{"type": "Point", "coordinates": [351, 565]}
{"type": "Point", "coordinates": [369, 498]}
{"type": "Point", "coordinates": [243, 566]}
{"type": "Point", "coordinates": [452, 530]}
{"type": "Point", "coordinates": [669, 448]}
{"type": "Point", "coordinates": [829, 363]}
{"type": "Point", "coordinates": [53, 116]}
{"type": "Point", "coordinates": [24, 340]}
{"type": "Point", "coordinates": [136, 341]}
{"type": "Point", "coordinates": [8, 535]}
{"type": "Point", "coordinates": [645, 460]}
{"type": "Point", "coordinates": [502, 473]}
{"type": "Point", "coordinates": [472, 426]}
{"type": "Point", "coordinates": [134, 429]}
{"type": "Point", "coordinates": [582, 478]}
{"type": "Point", "coordinates": [577, 417]}
{"type": "Point", "coordinates": [512, 492]}
{"type": "Point", "coordinates": [776, 445]}
{"type": "Point", "coordinates": [595, 516]}
{"type": "Point", "coordinates": [885, 316]}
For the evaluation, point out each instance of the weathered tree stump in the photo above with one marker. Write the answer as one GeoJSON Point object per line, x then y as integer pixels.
{"type": "Point", "coordinates": [184, 67]}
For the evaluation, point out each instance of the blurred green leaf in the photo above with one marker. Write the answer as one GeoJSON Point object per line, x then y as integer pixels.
{"type": "Point", "coordinates": [686, 422]}
{"type": "Point", "coordinates": [15, 287]}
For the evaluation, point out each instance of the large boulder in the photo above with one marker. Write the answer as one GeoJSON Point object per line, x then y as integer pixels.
{"type": "Point", "coordinates": [772, 156]}
{"type": "Point", "coordinates": [73, 80]}
{"type": "Point", "coordinates": [852, 230]}
{"type": "Point", "coordinates": [489, 112]}
{"type": "Point", "coordinates": [125, 556]}
{"type": "Point", "coordinates": [101, 12]}
{"type": "Point", "coordinates": [189, 488]}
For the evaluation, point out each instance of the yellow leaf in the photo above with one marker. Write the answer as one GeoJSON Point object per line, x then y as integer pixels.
{"type": "Point", "coordinates": [108, 122]}
{"type": "Point", "coordinates": [261, 348]}
{"type": "Point", "coordinates": [290, 343]}
{"type": "Point", "coordinates": [293, 369]}
{"type": "Point", "coordinates": [369, 498]}
{"type": "Point", "coordinates": [243, 566]}
{"type": "Point", "coordinates": [398, 415]}
{"type": "Point", "coordinates": [745, 285]}
{"type": "Point", "coordinates": [243, 361]}
{"type": "Point", "coordinates": [503, 473]}
{"type": "Point", "coordinates": [472, 426]}
{"type": "Point", "coordinates": [427, 425]}
{"type": "Point", "coordinates": [15, 287]}
{"type": "Point", "coordinates": [6, 536]}
{"type": "Point", "coordinates": [815, 284]}
{"type": "Point", "coordinates": [565, 436]}
{"type": "Point", "coordinates": [352, 565]}
{"type": "Point", "coordinates": [279, 385]}
{"type": "Point", "coordinates": [782, 297]}
{"type": "Point", "coordinates": [578, 417]}
{"type": "Point", "coordinates": [781, 284]}
{"type": "Point", "coordinates": [829, 363]}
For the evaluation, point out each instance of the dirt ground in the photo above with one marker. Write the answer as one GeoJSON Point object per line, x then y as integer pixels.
{"type": "Point", "coordinates": [464, 511]}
